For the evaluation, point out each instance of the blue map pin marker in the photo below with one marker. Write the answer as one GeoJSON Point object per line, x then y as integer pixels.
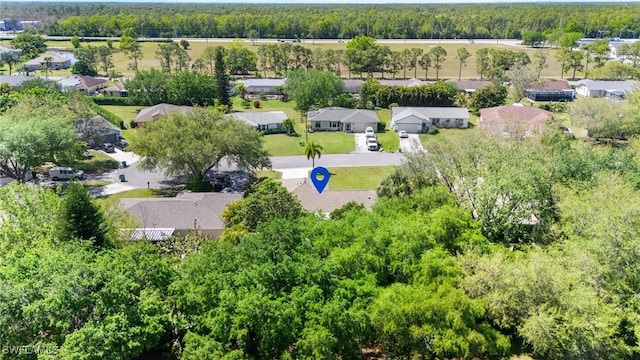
{"type": "Point", "coordinates": [320, 184]}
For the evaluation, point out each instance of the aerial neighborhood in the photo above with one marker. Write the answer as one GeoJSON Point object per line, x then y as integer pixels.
{"type": "Point", "coordinates": [319, 181]}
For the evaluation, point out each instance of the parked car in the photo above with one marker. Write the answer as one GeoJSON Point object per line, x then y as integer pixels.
{"type": "Point", "coordinates": [122, 144]}
{"type": "Point", "coordinates": [369, 132]}
{"type": "Point", "coordinates": [65, 173]}
{"type": "Point", "coordinates": [403, 134]}
{"type": "Point", "coordinates": [372, 144]}
{"type": "Point", "coordinates": [108, 148]}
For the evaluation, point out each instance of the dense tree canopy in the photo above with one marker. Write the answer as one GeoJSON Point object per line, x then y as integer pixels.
{"type": "Point", "coordinates": [332, 21]}
{"type": "Point", "coordinates": [193, 143]}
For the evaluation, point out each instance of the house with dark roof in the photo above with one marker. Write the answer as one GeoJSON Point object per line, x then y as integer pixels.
{"type": "Point", "coordinates": [419, 119]}
{"type": "Point", "coordinates": [551, 90]}
{"type": "Point", "coordinates": [116, 90]}
{"type": "Point", "coordinates": [97, 131]}
{"type": "Point", "coordinates": [342, 119]}
{"type": "Point", "coordinates": [262, 120]}
{"type": "Point", "coordinates": [14, 80]}
{"type": "Point", "coordinates": [183, 214]}
{"type": "Point", "coordinates": [254, 88]}
{"type": "Point", "coordinates": [155, 112]}
{"type": "Point", "coordinates": [55, 62]}
{"type": "Point", "coordinates": [616, 90]}
{"type": "Point", "coordinates": [515, 121]}
{"type": "Point", "coordinates": [85, 84]}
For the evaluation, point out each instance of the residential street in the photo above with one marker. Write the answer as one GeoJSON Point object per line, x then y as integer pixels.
{"type": "Point", "coordinates": [292, 167]}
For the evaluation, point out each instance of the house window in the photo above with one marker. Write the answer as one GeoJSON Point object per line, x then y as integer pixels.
{"type": "Point", "coordinates": [334, 124]}
{"type": "Point", "coordinates": [318, 124]}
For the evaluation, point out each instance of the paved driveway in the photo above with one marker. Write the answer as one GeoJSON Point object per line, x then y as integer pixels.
{"type": "Point", "coordinates": [361, 143]}
{"type": "Point", "coordinates": [411, 144]}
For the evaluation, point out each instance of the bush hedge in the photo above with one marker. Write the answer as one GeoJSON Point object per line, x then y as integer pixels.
{"type": "Point", "coordinates": [121, 101]}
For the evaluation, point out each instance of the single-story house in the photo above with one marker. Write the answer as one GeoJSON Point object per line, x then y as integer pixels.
{"type": "Point", "coordinates": [97, 131]}
{"type": "Point", "coordinates": [607, 89]}
{"type": "Point", "coordinates": [117, 90]}
{"type": "Point", "coordinates": [551, 90]}
{"type": "Point", "coordinates": [85, 84]}
{"type": "Point", "coordinates": [329, 200]}
{"type": "Point", "coordinates": [405, 82]}
{"type": "Point", "coordinates": [514, 120]}
{"type": "Point", "coordinates": [470, 86]}
{"type": "Point", "coordinates": [254, 88]}
{"type": "Point", "coordinates": [262, 120]}
{"type": "Point", "coordinates": [420, 119]}
{"type": "Point", "coordinates": [15, 52]}
{"type": "Point", "coordinates": [183, 214]}
{"type": "Point", "coordinates": [14, 80]}
{"type": "Point", "coordinates": [55, 62]}
{"type": "Point", "coordinates": [342, 119]}
{"type": "Point", "coordinates": [352, 86]}
{"type": "Point", "coordinates": [157, 111]}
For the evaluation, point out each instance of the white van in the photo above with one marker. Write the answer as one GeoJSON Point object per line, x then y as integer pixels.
{"type": "Point", "coordinates": [65, 173]}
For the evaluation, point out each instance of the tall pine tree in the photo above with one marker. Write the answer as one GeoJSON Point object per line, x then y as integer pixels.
{"type": "Point", "coordinates": [80, 218]}
{"type": "Point", "coordinates": [221, 76]}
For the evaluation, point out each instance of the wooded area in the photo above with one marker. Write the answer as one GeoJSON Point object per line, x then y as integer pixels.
{"type": "Point", "coordinates": [505, 21]}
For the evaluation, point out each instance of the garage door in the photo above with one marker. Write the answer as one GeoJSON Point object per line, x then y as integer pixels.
{"type": "Point", "coordinates": [410, 128]}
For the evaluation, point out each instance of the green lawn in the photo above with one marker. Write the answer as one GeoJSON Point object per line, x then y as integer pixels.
{"type": "Point", "coordinates": [276, 175]}
{"type": "Point", "coordinates": [449, 69]}
{"type": "Point", "coordinates": [331, 142]}
{"type": "Point", "coordinates": [358, 178]}
{"type": "Point", "coordinates": [126, 113]}
{"type": "Point", "coordinates": [112, 200]}
{"type": "Point", "coordinates": [97, 164]}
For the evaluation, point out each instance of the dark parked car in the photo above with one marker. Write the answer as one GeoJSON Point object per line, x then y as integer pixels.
{"type": "Point", "coordinates": [122, 144]}
{"type": "Point", "coordinates": [108, 148]}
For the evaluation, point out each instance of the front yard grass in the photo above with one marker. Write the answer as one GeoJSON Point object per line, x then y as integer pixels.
{"type": "Point", "coordinates": [126, 113]}
{"type": "Point", "coordinates": [331, 142]}
{"type": "Point", "coordinates": [98, 163]}
{"type": "Point", "coordinates": [276, 175]}
{"type": "Point", "coordinates": [358, 178]}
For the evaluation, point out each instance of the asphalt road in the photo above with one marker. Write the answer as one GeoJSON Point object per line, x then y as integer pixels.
{"type": "Point", "coordinates": [138, 179]}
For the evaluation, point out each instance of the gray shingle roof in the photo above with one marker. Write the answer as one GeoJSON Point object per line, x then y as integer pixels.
{"type": "Point", "coordinates": [625, 85]}
{"type": "Point", "coordinates": [14, 80]}
{"type": "Point", "coordinates": [430, 112]}
{"type": "Point", "coordinates": [263, 82]}
{"type": "Point", "coordinates": [261, 117]}
{"type": "Point", "coordinates": [184, 212]}
{"type": "Point", "coordinates": [152, 112]}
{"type": "Point", "coordinates": [344, 115]}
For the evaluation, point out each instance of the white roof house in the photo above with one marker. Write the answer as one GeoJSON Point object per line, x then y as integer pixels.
{"type": "Point", "coordinates": [420, 119]}
{"type": "Point", "coordinates": [608, 89]}
{"type": "Point", "coordinates": [262, 120]}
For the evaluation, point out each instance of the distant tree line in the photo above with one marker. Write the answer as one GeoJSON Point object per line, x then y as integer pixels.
{"type": "Point", "coordinates": [332, 21]}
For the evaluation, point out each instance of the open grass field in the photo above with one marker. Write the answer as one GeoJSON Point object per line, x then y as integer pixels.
{"type": "Point", "coordinates": [358, 178]}
{"type": "Point", "coordinates": [449, 69]}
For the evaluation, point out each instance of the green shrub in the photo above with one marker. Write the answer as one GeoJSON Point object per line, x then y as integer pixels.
{"type": "Point", "coordinates": [246, 104]}
{"type": "Point", "coordinates": [199, 186]}
{"type": "Point", "coordinates": [120, 101]}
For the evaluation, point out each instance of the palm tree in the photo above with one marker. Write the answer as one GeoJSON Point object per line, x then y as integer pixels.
{"type": "Point", "coordinates": [10, 59]}
{"type": "Point", "coordinates": [313, 150]}
{"type": "Point", "coordinates": [46, 66]}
